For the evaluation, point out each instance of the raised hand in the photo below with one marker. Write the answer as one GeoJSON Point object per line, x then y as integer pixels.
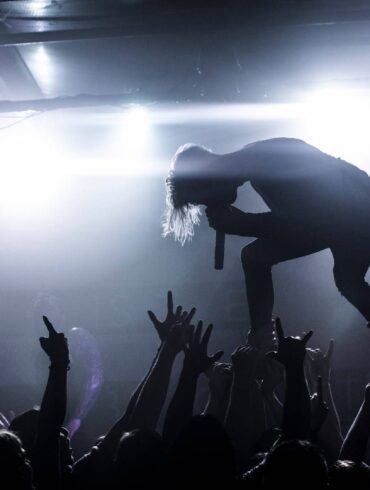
{"type": "Point", "coordinates": [319, 363]}
{"type": "Point", "coordinates": [291, 350]}
{"type": "Point", "coordinates": [56, 345]}
{"type": "Point", "coordinates": [164, 328]}
{"type": "Point", "coordinates": [196, 358]}
{"type": "Point", "coordinates": [178, 334]}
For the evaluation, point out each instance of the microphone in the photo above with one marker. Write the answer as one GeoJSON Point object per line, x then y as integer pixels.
{"type": "Point", "coordinates": [219, 250]}
{"type": "Point", "coordinates": [220, 240]}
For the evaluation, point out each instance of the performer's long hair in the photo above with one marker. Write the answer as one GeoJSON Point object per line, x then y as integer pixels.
{"type": "Point", "coordinates": [184, 178]}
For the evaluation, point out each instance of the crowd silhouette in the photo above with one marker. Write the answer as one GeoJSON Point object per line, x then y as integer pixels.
{"type": "Point", "coordinates": [270, 420]}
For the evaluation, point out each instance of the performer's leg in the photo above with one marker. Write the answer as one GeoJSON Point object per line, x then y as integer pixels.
{"type": "Point", "coordinates": [349, 276]}
{"type": "Point", "coordinates": [258, 258]}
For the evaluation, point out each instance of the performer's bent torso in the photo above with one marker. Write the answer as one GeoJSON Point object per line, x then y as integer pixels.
{"type": "Point", "coordinates": [316, 202]}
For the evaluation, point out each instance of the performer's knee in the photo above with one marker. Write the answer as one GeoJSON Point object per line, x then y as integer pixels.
{"type": "Point", "coordinates": [345, 282]}
{"type": "Point", "coordinates": [251, 258]}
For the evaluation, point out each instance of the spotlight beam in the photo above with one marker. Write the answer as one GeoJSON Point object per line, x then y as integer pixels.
{"type": "Point", "coordinates": [69, 102]}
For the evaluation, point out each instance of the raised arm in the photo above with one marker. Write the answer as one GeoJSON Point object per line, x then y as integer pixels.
{"type": "Point", "coordinates": [273, 376]}
{"type": "Point", "coordinates": [245, 417]}
{"type": "Point", "coordinates": [110, 442]}
{"type": "Point", "coordinates": [96, 466]}
{"type": "Point", "coordinates": [319, 411]}
{"type": "Point", "coordinates": [220, 377]}
{"type": "Point", "coordinates": [123, 424]}
{"type": "Point", "coordinates": [94, 469]}
{"type": "Point", "coordinates": [297, 409]}
{"type": "Point", "coordinates": [196, 361]}
{"type": "Point", "coordinates": [330, 433]}
{"type": "Point", "coordinates": [53, 408]}
{"type": "Point", "coordinates": [357, 438]}
{"type": "Point", "coordinates": [154, 391]}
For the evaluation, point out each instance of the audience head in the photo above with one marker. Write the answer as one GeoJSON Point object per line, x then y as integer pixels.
{"type": "Point", "coordinates": [140, 458]}
{"type": "Point", "coordinates": [25, 426]}
{"type": "Point", "coordinates": [203, 452]}
{"type": "Point", "coordinates": [292, 464]}
{"type": "Point", "coordinates": [15, 469]}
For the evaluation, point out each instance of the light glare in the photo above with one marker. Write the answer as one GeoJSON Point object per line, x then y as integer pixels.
{"type": "Point", "coordinates": [336, 120]}
{"type": "Point", "coordinates": [28, 175]}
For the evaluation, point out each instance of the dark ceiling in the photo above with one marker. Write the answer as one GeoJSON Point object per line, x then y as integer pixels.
{"type": "Point", "coordinates": [181, 50]}
{"type": "Point", "coordinates": [26, 21]}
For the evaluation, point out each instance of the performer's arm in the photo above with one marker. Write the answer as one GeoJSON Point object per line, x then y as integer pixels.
{"type": "Point", "coordinates": [229, 220]}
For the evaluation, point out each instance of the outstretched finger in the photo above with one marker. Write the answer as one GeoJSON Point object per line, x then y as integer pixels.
{"type": "Point", "coordinates": [207, 335]}
{"type": "Point", "coordinates": [49, 326]}
{"type": "Point", "coordinates": [169, 303]}
{"type": "Point", "coordinates": [279, 330]}
{"type": "Point", "coordinates": [330, 350]}
{"type": "Point", "coordinates": [307, 337]}
{"type": "Point", "coordinates": [198, 332]}
{"type": "Point", "coordinates": [153, 318]}
{"type": "Point", "coordinates": [183, 316]}
{"type": "Point", "coordinates": [178, 312]}
{"type": "Point", "coordinates": [189, 316]}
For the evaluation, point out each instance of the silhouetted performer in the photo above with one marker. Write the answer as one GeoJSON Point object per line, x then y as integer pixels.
{"type": "Point", "coordinates": [316, 202]}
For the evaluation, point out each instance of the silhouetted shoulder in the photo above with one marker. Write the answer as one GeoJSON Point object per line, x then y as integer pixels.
{"type": "Point", "coordinates": [277, 143]}
{"type": "Point", "coordinates": [284, 149]}
{"type": "Point", "coordinates": [291, 154]}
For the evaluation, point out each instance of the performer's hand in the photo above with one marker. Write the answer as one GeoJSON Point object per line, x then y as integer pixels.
{"type": "Point", "coordinates": [227, 219]}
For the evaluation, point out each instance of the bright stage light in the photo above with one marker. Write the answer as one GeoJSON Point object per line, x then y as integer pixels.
{"type": "Point", "coordinates": [135, 128]}
{"type": "Point", "coordinates": [29, 179]}
{"type": "Point", "coordinates": [132, 148]}
{"type": "Point", "coordinates": [336, 120]}
{"type": "Point", "coordinates": [38, 6]}
{"type": "Point", "coordinates": [42, 66]}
